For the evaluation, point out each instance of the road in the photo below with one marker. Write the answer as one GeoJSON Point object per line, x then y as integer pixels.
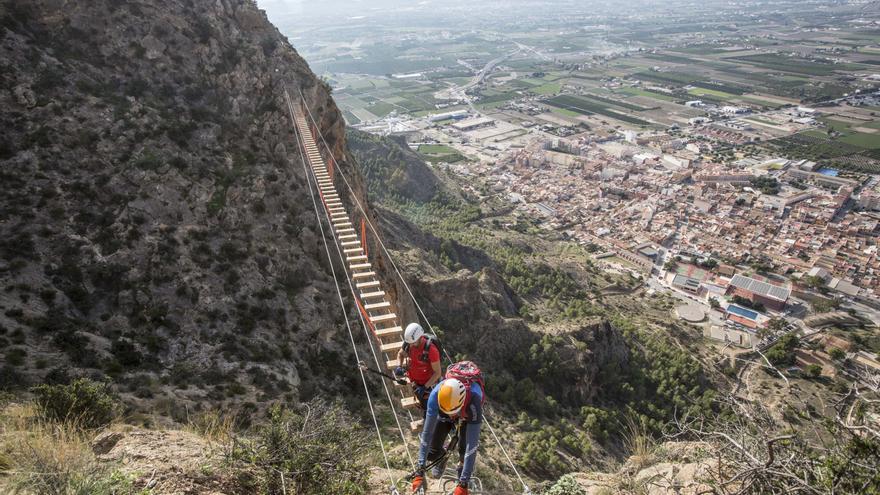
{"type": "Point", "coordinates": [460, 92]}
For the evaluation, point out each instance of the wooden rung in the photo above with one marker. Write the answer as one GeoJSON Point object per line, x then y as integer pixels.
{"type": "Point", "coordinates": [372, 295]}
{"type": "Point", "coordinates": [392, 364]}
{"type": "Point", "coordinates": [364, 275]}
{"type": "Point", "coordinates": [389, 332]}
{"type": "Point", "coordinates": [350, 236]}
{"type": "Point", "coordinates": [361, 257]}
{"type": "Point", "coordinates": [353, 250]}
{"type": "Point", "coordinates": [337, 208]}
{"type": "Point", "coordinates": [334, 203]}
{"type": "Point", "coordinates": [341, 223]}
{"type": "Point", "coordinates": [392, 347]}
{"type": "Point", "coordinates": [368, 285]}
{"type": "Point", "coordinates": [381, 318]}
{"type": "Point", "coordinates": [338, 214]}
{"type": "Point", "coordinates": [351, 243]}
{"type": "Point", "coordinates": [361, 266]}
{"type": "Point", "coordinates": [378, 305]}
{"type": "Point", "coordinates": [416, 425]}
{"type": "Point", "coordinates": [409, 403]}
{"type": "Point", "coordinates": [348, 230]}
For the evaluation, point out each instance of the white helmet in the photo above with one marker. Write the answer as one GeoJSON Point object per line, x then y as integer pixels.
{"type": "Point", "coordinates": [451, 396]}
{"type": "Point", "coordinates": [413, 333]}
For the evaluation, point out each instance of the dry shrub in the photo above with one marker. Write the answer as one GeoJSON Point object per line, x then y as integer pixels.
{"type": "Point", "coordinates": [214, 426]}
{"type": "Point", "coordinates": [51, 458]}
{"type": "Point", "coordinates": [638, 441]}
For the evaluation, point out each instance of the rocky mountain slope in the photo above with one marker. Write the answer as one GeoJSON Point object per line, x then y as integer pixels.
{"type": "Point", "coordinates": [155, 225]}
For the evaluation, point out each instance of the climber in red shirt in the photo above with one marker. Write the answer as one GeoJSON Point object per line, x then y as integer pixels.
{"type": "Point", "coordinates": [420, 357]}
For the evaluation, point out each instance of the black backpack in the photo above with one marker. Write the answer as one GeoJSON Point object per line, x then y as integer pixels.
{"type": "Point", "coordinates": [425, 351]}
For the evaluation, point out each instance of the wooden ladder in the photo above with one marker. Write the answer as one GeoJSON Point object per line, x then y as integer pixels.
{"type": "Point", "coordinates": [374, 301]}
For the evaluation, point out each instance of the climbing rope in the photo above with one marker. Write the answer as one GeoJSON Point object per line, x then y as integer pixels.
{"type": "Point", "coordinates": [339, 293]}
{"type": "Point", "coordinates": [412, 296]}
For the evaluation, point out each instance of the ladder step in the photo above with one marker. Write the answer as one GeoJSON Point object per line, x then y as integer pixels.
{"type": "Point", "coordinates": [372, 295]}
{"type": "Point", "coordinates": [361, 266]}
{"type": "Point", "coordinates": [392, 347]}
{"type": "Point", "coordinates": [353, 250]}
{"type": "Point", "coordinates": [351, 243]}
{"type": "Point", "coordinates": [338, 214]}
{"type": "Point", "coordinates": [368, 285]}
{"type": "Point", "coordinates": [348, 230]}
{"type": "Point", "coordinates": [381, 318]}
{"type": "Point", "coordinates": [337, 208]}
{"type": "Point", "coordinates": [392, 364]}
{"type": "Point", "coordinates": [389, 332]}
{"type": "Point", "coordinates": [409, 403]}
{"type": "Point", "coordinates": [341, 223]}
{"type": "Point", "coordinates": [379, 305]}
{"type": "Point", "coordinates": [364, 275]}
{"type": "Point", "coordinates": [349, 236]}
{"type": "Point", "coordinates": [416, 425]}
{"type": "Point", "coordinates": [362, 257]}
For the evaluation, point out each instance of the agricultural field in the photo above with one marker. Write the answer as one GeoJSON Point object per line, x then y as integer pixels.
{"type": "Point", "coordinates": [648, 94]}
{"type": "Point", "coordinates": [586, 106]}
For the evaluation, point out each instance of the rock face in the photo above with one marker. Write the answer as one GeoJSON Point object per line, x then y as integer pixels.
{"type": "Point", "coordinates": [155, 225]}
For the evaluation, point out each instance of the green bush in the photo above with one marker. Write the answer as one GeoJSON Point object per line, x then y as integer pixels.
{"type": "Point", "coordinates": [85, 402]}
{"type": "Point", "coordinates": [317, 451]}
{"type": "Point", "coordinates": [566, 485]}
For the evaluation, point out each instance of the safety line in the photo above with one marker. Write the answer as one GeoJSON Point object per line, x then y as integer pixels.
{"type": "Point", "coordinates": [405, 285]}
{"type": "Point", "coordinates": [339, 291]}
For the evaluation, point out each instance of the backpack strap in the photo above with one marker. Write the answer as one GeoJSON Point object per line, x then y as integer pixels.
{"type": "Point", "coordinates": [426, 355]}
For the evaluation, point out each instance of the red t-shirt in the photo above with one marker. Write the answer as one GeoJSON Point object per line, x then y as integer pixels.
{"type": "Point", "coordinates": [419, 370]}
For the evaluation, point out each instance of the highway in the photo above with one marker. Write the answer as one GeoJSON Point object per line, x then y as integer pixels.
{"type": "Point", "coordinates": [460, 92]}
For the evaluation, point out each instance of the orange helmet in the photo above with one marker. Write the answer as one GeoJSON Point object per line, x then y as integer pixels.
{"type": "Point", "coordinates": [451, 396]}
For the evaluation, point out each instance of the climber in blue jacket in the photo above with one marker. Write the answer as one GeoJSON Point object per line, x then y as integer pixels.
{"type": "Point", "coordinates": [452, 405]}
